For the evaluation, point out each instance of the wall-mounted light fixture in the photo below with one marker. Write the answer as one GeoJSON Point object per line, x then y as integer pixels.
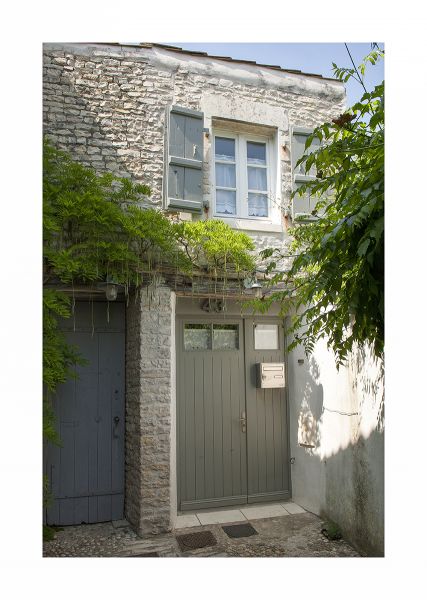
{"type": "Point", "coordinates": [251, 283]}
{"type": "Point", "coordinates": [111, 289]}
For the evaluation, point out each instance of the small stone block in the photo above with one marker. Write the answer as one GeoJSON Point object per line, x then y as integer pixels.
{"type": "Point", "coordinates": [220, 516]}
{"type": "Point", "coordinates": [240, 531]}
{"type": "Point", "coordinates": [183, 521]}
{"type": "Point", "coordinates": [120, 523]}
{"type": "Point", "coordinates": [264, 512]}
{"type": "Point", "coordinates": [293, 508]}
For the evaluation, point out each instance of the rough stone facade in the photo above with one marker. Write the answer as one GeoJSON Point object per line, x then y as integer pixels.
{"type": "Point", "coordinates": [107, 105]}
{"type": "Point", "coordinates": [149, 410]}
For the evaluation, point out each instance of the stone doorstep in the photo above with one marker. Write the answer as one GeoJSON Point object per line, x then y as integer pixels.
{"type": "Point", "coordinates": [167, 546]}
{"type": "Point", "coordinates": [120, 523]}
{"type": "Point", "coordinates": [237, 514]}
{"type": "Point", "coordinates": [221, 517]}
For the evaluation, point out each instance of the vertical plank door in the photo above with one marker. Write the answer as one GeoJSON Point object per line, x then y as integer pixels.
{"type": "Point", "coordinates": [210, 400]}
{"type": "Point", "coordinates": [86, 472]}
{"type": "Point", "coordinates": [267, 417]}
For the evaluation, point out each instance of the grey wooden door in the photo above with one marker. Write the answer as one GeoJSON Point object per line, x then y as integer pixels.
{"type": "Point", "coordinates": [267, 430]}
{"type": "Point", "coordinates": [87, 472]}
{"type": "Point", "coordinates": [211, 399]}
{"type": "Point", "coordinates": [232, 438]}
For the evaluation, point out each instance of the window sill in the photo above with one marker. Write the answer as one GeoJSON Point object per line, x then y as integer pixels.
{"type": "Point", "coordinates": [250, 224]}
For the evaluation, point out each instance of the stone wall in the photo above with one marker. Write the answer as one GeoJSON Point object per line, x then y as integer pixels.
{"type": "Point", "coordinates": [149, 411]}
{"type": "Point", "coordinates": [107, 106]}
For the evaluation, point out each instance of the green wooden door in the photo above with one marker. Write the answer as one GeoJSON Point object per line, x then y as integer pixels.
{"type": "Point", "coordinates": [232, 438]}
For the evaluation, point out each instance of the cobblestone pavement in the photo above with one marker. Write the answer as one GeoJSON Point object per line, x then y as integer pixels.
{"type": "Point", "coordinates": [293, 536]}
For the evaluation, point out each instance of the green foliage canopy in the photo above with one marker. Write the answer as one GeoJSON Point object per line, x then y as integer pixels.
{"type": "Point", "coordinates": [336, 281]}
{"type": "Point", "coordinates": [96, 228]}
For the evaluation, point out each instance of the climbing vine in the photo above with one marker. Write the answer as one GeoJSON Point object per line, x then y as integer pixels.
{"type": "Point", "coordinates": [337, 276]}
{"type": "Point", "coordinates": [98, 228]}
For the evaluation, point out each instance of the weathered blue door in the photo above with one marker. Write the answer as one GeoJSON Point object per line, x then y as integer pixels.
{"type": "Point", "coordinates": [87, 473]}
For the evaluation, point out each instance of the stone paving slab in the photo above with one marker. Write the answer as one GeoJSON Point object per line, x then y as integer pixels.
{"type": "Point", "coordinates": [292, 508]}
{"type": "Point", "coordinates": [264, 512]}
{"type": "Point", "coordinates": [297, 535]}
{"type": "Point", "coordinates": [187, 521]}
{"type": "Point", "coordinates": [220, 516]}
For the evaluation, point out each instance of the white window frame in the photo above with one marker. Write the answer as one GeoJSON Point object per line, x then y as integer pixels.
{"type": "Point", "coordinates": [242, 192]}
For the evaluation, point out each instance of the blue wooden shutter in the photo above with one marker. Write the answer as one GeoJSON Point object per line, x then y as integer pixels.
{"type": "Point", "coordinates": [184, 159]}
{"type": "Point", "coordinates": [302, 206]}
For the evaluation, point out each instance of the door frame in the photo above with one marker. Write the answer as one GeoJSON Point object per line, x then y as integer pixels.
{"type": "Point", "coordinates": [229, 317]}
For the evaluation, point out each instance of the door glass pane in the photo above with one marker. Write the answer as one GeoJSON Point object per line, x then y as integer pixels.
{"type": "Point", "coordinates": [226, 202]}
{"type": "Point", "coordinates": [197, 336]}
{"type": "Point", "coordinates": [225, 175]}
{"type": "Point", "coordinates": [266, 336]}
{"type": "Point", "coordinates": [257, 205]}
{"type": "Point", "coordinates": [257, 179]}
{"type": "Point", "coordinates": [225, 149]}
{"type": "Point", "coordinates": [225, 337]}
{"type": "Point", "coordinates": [256, 153]}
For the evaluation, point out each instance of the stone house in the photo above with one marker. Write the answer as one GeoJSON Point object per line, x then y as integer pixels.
{"type": "Point", "coordinates": [171, 416]}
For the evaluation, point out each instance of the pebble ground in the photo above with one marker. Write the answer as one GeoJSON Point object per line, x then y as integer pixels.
{"type": "Point", "coordinates": [291, 536]}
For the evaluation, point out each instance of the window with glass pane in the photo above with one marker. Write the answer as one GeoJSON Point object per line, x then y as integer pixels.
{"type": "Point", "coordinates": [256, 155]}
{"type": "Point", "coordinates": [225, 337]}
{"type": "Point", "coordinates": [197, 336]}
{"type": "Point", "coordinates": [257, 205]}
{"type": "Point", "coordinates": [266, 336]}
{"type": "Point", "coordinates": [225, 175]}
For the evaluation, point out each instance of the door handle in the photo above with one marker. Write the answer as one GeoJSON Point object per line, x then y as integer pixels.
{"type": "Point", "coordinates": [116, 420]}
{"type": "Point", "coordinates": [243, 421]}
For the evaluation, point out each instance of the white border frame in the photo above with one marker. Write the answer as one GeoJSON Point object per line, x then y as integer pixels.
{"type": "Point", "coordinates": [270, 223]}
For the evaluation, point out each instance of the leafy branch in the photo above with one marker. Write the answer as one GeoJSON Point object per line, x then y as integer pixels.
{"type": "Point", "coordinates": [97, 227]}
{"type": "Point", "coordinates": [335, 283]}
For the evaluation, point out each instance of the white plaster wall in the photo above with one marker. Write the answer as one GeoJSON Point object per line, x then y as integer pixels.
{"type": "Point", "coordinates": [336, 438]}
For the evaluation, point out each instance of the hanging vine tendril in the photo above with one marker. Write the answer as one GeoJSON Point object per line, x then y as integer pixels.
{"type": "Point", "coordinates": [95, 230]}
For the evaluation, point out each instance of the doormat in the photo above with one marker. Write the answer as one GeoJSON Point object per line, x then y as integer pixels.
{"type": "Point", "coordinates": [146, 555]}
{"type": "Point", "coordinates": [192, 541]}
{"type": "Point", "coordinates": [240, 531]}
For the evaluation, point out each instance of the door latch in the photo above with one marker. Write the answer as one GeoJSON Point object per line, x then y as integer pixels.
{"type": "Point", "coordinates": [116, 420]}
{"type": "Point", "coordinates": [243, 421]}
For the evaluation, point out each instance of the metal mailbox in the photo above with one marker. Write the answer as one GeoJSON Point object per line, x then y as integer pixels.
{"type": "Point", "coordinates": [270, 375]}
